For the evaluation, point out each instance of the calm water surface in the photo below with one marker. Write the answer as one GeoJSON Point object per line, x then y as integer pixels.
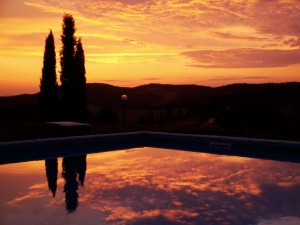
{"type": "Point", "coordinates": [150, 186]}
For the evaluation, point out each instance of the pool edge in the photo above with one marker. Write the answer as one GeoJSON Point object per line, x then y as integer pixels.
{"type": "Point", "coordinates": [56, 147]}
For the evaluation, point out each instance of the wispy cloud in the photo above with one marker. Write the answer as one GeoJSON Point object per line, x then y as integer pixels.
{"type": "Point", "coordinates": [243, 58]}
{"type": "Point", "coordinates": [229, 35]}
{"type": "Point", "coordinates": [46, 7]}
{"type": "Point", "coordinates": [151, 78]}
{"type": "Point", "coordinates": [237, 78]}
{"type": "Point", "coordinates": [184, 21]}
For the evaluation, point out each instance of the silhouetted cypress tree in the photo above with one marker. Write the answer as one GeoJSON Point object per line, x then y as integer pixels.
{"type": "Point", "coordinates": [51, 173]}
{"type": "Point", "coordinates": [67, 63]}
{"type": "Point", "coordinates": [48, 95]}
{"type": "Point", "coordinates": [71, 183]}
{"type": "Point", "coordinates": [73, 81]}
{"type": "Point", "coordinates": [73, 172]}
{"type": "Point", "coordinates": [81, 169]}
{"type": "Point", "coordinates": [80, 80]}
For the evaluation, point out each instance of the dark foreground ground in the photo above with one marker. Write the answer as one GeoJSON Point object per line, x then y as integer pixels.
{"type": "Point", "coordinates": [270, 111]}
{"type": "Point", "coordinates": [14, 131]}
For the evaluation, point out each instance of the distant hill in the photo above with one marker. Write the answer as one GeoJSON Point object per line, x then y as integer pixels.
{"type": "Point", "coordinates": [145, 96]}
{"type": "Point", "coordinates": [160, 95]}
{"type": "Point", "coordinates": [280, 96]}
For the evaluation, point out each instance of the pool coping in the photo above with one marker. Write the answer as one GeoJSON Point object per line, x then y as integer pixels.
{"type": "Point", "coordinates": [26, 150]}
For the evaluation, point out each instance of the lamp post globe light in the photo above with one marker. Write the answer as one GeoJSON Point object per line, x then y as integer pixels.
{"type": "Point", "coordinates": [124, 99]}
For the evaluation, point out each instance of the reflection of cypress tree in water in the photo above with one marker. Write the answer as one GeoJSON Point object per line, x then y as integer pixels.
{"type": "Point", "coordinates": [81, 169]}
{"type": "Point", "coordinates": [74, 169]}
{"type": "Point", "coordinates": [51, 173]}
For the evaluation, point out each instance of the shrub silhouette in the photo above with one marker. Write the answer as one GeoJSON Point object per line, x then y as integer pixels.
{"type": "Point", "coordinates": [106, 116]}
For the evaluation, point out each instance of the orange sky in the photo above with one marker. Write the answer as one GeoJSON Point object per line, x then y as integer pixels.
{"type": "Point", "coordinates": [133, 42]}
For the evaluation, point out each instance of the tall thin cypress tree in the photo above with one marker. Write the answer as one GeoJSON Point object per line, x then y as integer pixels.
{"type": "Point", "coordinates": [67, 64]}
{"type": "Point", "coordinates": [48, 95]}
{"type": "Point", "coordinates": [73, 81]}
{"type": "Point", "coordinates": [80, 79]}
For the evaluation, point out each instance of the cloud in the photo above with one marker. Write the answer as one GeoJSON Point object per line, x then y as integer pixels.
{"type": "Point", "coordinates": [45, 7]}
{"type": "Point", "coordinates": [239, 37]}
{"type": "Point", "coordinates": [243, 58]}
{"type": "Point", "coordinates": [187, 21]}
{"type": "Point", "coordinates": [295, 42]}
{"type": "Point", "coordinates": [134, 42]}
{"type": "Point", "coordinates": [105, 80]}
{"type": "Point", "coordinates": [237, 78]}
{"type": "Point", "coordinates": [151, 78]}
{"type": "Point", "coordinates": [277, 17]}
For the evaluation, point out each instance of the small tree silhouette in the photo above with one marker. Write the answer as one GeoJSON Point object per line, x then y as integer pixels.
{"type": "Point", "coordinates": [48, 95]}
{"type": "Point", "coordinates": [169, 114]}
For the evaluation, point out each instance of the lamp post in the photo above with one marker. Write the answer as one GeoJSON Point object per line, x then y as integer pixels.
{"type": "Point", "coordinates": [124, 99]}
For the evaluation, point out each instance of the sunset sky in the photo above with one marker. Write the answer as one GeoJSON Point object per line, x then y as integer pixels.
{"type": "Point", "coordinates": [134, 42]}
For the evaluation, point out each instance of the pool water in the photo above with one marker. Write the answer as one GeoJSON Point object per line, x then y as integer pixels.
{"type": "Point", "coordinates": [150, 186]}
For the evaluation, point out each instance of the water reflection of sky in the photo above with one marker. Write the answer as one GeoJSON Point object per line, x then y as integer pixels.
{"type": "Point", "coordinates": [152, 186]}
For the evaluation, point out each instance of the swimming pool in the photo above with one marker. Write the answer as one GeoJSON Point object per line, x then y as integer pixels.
{"type": "Point", "coordinates": [51, 147]}
{"type": "Point", "coordinates": [150, 186]}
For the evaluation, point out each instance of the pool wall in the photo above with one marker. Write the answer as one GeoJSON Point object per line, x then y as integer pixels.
{"type": "Point", "coordinates": [66, 146]}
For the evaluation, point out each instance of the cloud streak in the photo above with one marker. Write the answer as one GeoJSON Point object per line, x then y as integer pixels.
{"type": "Point", "coordinates": [188, 20]}
{"type": "Point", "coordinates": [237, 78]}
{"type": "Point", "coordinates": [243, 58]}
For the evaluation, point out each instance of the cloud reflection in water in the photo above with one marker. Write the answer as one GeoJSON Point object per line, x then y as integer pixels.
{"type": "Point", "coordinates": [152, 186]}
{"type": "Point", "coordinates": [155, 186]}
